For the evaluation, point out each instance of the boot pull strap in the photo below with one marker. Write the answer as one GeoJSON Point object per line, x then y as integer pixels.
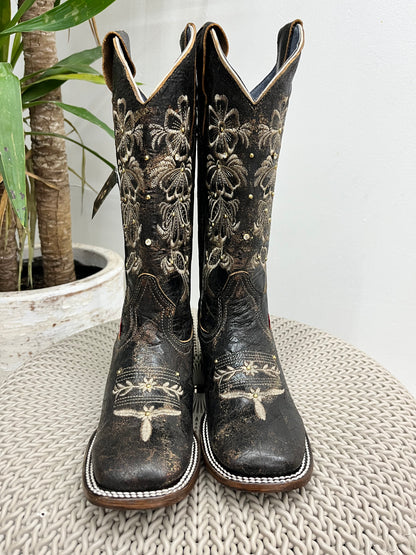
{"type": "Point", "coordinates": [287, 41]}
{"type": "Point", "coordinates": [186, 36]}
{"type": "Point", "coordinates": [203, 36]}
{"type": "Point", "coordinates": [110, 52]}
{"type": "Point", "coordinates": [219, 31]}
{"type": "Point", "coordinates": [114, 44]}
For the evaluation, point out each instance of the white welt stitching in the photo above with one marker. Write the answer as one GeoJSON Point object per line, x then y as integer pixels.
{"type": "Point", "coordinates": [253, 480]}
{"type": "Point", "coordinates": [95, 488]}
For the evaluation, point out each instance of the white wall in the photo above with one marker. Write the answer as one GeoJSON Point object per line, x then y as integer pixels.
{"type": "Point", "coordinates": [343, 238]}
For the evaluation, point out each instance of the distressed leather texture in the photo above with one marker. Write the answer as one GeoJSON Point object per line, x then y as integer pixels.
{"type": "Point", "coordinates": [144, 438]}
{"type": "Point", "coordinates": [254, 427]}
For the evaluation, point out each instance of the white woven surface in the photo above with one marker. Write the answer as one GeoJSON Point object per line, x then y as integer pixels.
{"type": "Point", "coordinates": [361, 499]}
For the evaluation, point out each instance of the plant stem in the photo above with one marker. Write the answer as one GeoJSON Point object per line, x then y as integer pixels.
{"type": "Point", "coordinates": [49, 158]}
{"type": "Point", "coordinates": [8, 250]}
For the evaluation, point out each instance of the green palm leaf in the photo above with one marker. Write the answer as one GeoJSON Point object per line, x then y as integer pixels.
{"type": "Point", "coordinates": [44, 86]}
{"type": "Point", "coordinates": [77, 111]}
{"type": "Point", "coordinates": [4, 20]}
{"type": "Point", "coordinates": [60, 136]}
{"type": "Point", "coordinates": [12, 144]}
{"type": "Point", "coordinates": [66, 15]}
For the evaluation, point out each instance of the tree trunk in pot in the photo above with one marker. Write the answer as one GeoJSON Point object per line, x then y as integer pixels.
{"type": "Point", "coordinates": [8, 251]}
{"type": "Point", "coordinates": [49, 159]}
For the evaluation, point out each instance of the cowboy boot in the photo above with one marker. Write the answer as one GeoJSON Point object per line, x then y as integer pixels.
{"type": "Point", "coordinates": [253, 437]}
{"type": "Point", "coordinates": [143, 453]}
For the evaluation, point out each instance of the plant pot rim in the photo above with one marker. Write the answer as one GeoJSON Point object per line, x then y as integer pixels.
{"type": "Point", "coordinates": [112, 266]}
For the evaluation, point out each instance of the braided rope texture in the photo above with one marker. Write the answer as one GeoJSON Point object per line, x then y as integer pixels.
{"type": "Point", "coordinates": [361, 498]}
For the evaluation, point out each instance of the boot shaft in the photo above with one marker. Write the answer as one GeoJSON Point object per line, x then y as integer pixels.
{"type": "Point", "coordinates": [155, 146]}
{"type": "Point", "coordinates": [239, 138]}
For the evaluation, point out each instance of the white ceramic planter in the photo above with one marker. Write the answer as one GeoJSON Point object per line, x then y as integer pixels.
{"type": "Point", "coordinates": [31, 321]}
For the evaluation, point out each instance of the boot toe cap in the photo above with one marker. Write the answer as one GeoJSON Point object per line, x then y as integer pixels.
{"type": "Point", "coordinates": [259, 450]}
{"type": "Point", "coordinates": [120, 464]}
{"type": "Point", "coordinates": [261, 460]}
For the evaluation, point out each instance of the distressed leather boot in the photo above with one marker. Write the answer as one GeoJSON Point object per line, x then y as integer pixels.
{"type": "Point", "coordinates": [253, 437]}
{"type": "Point", "coordinates": [144, 453]}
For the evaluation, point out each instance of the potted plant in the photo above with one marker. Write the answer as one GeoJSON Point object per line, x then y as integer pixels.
{"type": "Point", "coordinates": [34, 183]}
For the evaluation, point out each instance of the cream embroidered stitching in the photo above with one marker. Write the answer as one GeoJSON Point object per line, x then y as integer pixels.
{"type": "Point", "coordinates": [269, 137]}
{"type": "Point", "coordinates": [249, 368]}
{"type": "Point", "coordinates": [265, 176]}
{"type": "Point", "coordinates": [146, 416]}
{"type": "Point", "coordinates": [127, 392]}
{"type": "Point", "coordinates": [147, 385]}
{"type": "Point", "coordinates": [265, 382]}
{"type": "Point", "coordinates": [131, 180]}
{"type": "Point", "coordinates": [127, 131]}
{"type": "Point", "coordinates": [173, 175]}
{"type": "Point", "coordinates": [224, 129]}
{"type": "Point", "coordinates": [225, 173]}
{"type": "Point", "coordinates": [175, 131]}
{"type": "Point", "coordinates": [256, 396]}
{"type": "Point", "coordinates": [137, 399]}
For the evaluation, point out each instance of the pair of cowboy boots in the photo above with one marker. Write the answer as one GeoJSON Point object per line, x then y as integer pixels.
{"type": "Point", "coordinates": [144, 453]}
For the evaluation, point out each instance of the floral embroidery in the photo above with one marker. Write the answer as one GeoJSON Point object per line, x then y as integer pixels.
{"type": "Point", "coordinates": [260, 257]}
{"type": "Point", "coordinates": [176, 227]}
{"type": "Point", "coordinates": [131, 180]}
{"type": "Point", "coordinates": [225, 174]}
{"type": "Point", "coordinates": [126, 130]}
{"type": "Point", "coordinates": [223, 219]}
{"type": "Point", "coordinates": [224, 129]}
{"type": "Point", "coordinates": [147, 415]}
{"type": "Point", "coordinates": [249, 368]}
{"type": "Point", "coordinates": [132, 229]}
{"type": "Point", "coordinates": [217, 257]}
{"type": "Point", "coordinates": [262, 381]}
{"type": "Point", "coordinates": [265, 176]}
{"type": "Point", "coordinates": [134, 263]}
{"type": "Point", "coordinates": [173, 175]}
{"type": "Point", "coordinates": [175, 131]}
{"type": "Point", "coordinates": [261, 225]}
{"type": "Point", "coordinates": [147, 385]}
{"type": "Point", "coordinates": [174, 180]}
{"type": "Point", "coordinates": [270, 135]}
{"type": "Point", "coordinates": [129, 133]}
{"type": "Point", "coordinates": [255, 395]}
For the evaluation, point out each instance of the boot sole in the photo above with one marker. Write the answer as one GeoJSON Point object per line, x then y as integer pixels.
{"type": "Point", "coordinates": [252, 483]}
{"type": "Point", "coordinates": [139, 499]}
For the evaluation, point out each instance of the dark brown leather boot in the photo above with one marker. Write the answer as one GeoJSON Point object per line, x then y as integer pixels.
{"type": "Point", "coordinates": [253, 437]}
{"type": "Point", "coordinates": [143, 453]}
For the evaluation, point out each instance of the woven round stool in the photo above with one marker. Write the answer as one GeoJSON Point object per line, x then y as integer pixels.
{"type": "Point", "coordinates": [361, 498]}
